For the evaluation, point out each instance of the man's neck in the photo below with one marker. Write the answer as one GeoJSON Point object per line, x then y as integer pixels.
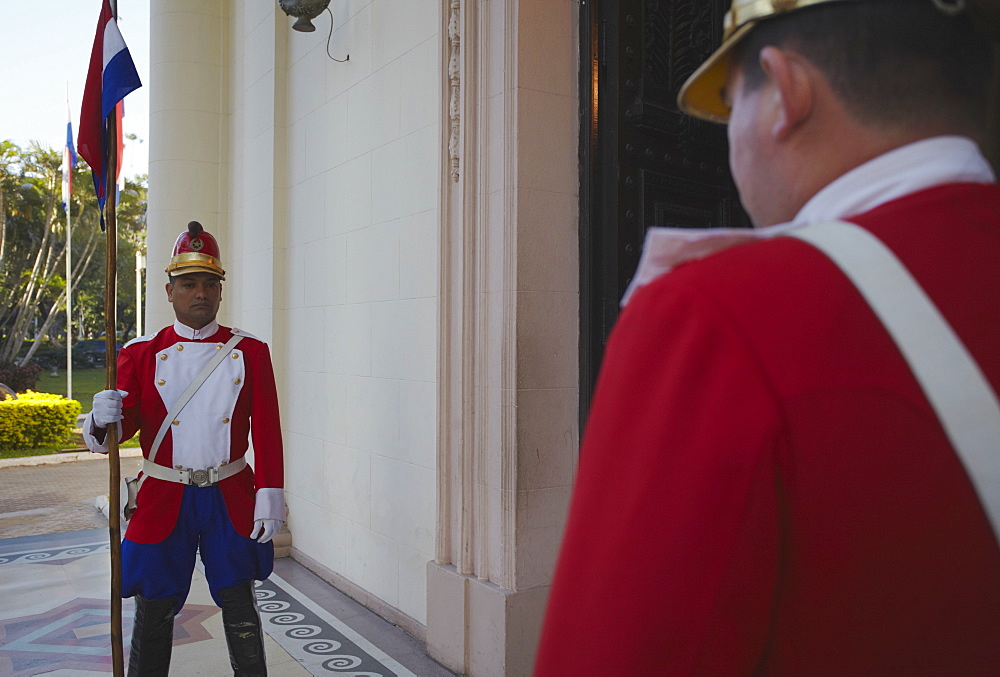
{"type": "Point", "coordinates": [194, 334]}
{"type": "Point", "coordinates": [838, 158]}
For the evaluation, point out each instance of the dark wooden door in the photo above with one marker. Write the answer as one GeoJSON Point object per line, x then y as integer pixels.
{"type": "Point", "coordinates": [643, 162]}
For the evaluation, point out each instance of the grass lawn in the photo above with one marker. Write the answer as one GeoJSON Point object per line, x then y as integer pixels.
{"type": "Point", "coordinates": [75, 444]}
{"type": "Point", "coordinates": [86, 382]}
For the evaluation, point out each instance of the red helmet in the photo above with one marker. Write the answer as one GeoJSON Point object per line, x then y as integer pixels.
{"type": "Point", "coordinates": [195, 251]}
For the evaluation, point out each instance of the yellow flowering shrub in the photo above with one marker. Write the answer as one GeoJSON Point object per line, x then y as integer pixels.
{"type": "Point", "coordinates": [36, 420]}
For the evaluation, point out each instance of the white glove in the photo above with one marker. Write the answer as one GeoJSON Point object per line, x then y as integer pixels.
{"type": "Point", "coordinates": [264, 530]}
{"type": "Point", "coordinates": [107, 407]}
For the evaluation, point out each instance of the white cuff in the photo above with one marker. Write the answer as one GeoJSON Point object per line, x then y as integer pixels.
{"type": "Point", "coordinates": [270, 505]}
{"type": "Point", "coordinates": [90, 440]}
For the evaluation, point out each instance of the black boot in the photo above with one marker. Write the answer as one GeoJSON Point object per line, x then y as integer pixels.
{"type": "Point", "coordinates": [244, 636]}
{"type": "Point", "coordinates": [152, 637]}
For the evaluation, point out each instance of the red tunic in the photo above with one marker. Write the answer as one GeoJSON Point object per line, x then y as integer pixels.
{"type": "Point", "coordinates": [254, 398]}
{"type": "Point", "coordinates": [763, 487]}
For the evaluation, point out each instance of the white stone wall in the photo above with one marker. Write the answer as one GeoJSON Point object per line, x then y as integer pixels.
{"type": "Point", "coordinates": [361, 172]}
{"type": "Point", "coordinates": [321, 182]}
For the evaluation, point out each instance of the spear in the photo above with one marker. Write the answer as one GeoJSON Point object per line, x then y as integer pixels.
{"type": "Point", "coordinates": [110, 77]}
{"type": "Point", "coordinates": [111, 382]}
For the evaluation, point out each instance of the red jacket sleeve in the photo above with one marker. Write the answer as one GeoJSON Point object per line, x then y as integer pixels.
{"type": "Point", "coordinates": [670, 558]}
{"type": "Point", "coordinates": [265, 423]}
{"type": "Point", "coordinates": [129, 381]}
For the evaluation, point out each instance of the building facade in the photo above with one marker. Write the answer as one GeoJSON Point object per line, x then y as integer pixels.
{"type": "Point", "coordinates": [433, 236]}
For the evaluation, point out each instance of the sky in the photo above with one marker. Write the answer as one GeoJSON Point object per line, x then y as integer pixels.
{"type": "Point", "coordinates": [45, 46]}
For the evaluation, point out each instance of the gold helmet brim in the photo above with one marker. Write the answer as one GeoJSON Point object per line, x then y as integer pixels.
{"type": "Point", "coordinates": [703, 94]}
{"type": "Point", "coordinates": [182, 264]}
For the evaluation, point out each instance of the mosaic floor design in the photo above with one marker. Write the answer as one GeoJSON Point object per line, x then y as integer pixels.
{"type": "Point", "coordinates": [77, 636]}
{"type": "Point", "coordinates": [55, 618]}
{"type": "Point", "coordinates": [315, 638]}
{"type": "Point", "coordinates": [55, 555]}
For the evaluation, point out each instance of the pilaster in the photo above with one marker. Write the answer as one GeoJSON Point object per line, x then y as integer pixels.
{"type": "Point", "coordinates": [508, 384]}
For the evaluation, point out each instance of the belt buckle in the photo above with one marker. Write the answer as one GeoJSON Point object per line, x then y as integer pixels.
{"type": "Point", "coordinates": [201, 478]}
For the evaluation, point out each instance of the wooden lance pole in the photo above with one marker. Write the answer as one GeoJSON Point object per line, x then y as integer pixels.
{"type": "Point", "coordinates": [111, 361]}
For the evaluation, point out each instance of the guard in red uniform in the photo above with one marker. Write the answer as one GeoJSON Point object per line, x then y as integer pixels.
{"type": "Point", "coordinates": [764, 486]}
{"type": "Point", "coordinates": [196, 392]}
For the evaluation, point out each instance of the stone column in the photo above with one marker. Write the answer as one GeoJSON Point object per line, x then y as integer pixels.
{"type": "Point", "coordinates": [187, 124]}
{"type": "Point", "coordinates": [256, 159]}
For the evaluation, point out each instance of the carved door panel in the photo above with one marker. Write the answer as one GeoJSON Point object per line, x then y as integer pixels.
{"type": "Point", "coordinates": [643, 162]}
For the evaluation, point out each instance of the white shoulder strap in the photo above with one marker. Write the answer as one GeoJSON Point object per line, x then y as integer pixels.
{"type": "Point", "coordinates": [190, 391]}
{"type": "Point", "coordinates": [952, 381]}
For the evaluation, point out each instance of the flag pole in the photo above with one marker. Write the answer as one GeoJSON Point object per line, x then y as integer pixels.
{"type": "Point", "coordinates": [69, 271]}
{"type": "Point", "coordinates": [111, 362]}
{"type": "Point", "coordinates": [111, 72]}
{"type": "Point", "coordinates": [69, 304]}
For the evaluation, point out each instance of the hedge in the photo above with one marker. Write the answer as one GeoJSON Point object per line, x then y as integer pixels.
{"type": "Point", "coordinates": [36, 420]}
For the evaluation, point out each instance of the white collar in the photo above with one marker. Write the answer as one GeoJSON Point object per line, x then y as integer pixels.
{"type": "Point", "coordinates": [916, 166]}
{"type": "Point", "coordinates": [904, 170]}
{"type": "Point", "coordinates": [187, 332]}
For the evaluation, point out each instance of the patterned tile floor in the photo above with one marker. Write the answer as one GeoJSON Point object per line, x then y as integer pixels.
{"type": "Point", "coordinates": [55, 619]}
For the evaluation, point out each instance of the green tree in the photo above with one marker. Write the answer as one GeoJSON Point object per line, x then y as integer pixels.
{"type": "Point", "coordinates": [33, 242]}
{"type": "Point", "coordinates": [89, 297]}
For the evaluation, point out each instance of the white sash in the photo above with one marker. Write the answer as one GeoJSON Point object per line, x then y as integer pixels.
{"type": "Point", "coordinates": [949, 376]}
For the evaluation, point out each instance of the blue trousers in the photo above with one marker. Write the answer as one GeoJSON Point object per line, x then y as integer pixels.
{"type": "Point", "coordinates": [163, 570]}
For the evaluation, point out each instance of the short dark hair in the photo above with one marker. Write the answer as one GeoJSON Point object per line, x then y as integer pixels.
{"type": "Point", "coordinates": [892, 62]}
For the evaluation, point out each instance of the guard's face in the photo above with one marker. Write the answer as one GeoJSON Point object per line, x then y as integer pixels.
{"type": "Point", "coordinates": [196, 298]}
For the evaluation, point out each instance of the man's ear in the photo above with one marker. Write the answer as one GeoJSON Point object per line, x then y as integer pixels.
{"type": "Point", "coordinates": [792, 87]}
{"type": "Point", "coordinates": [170, 292]}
